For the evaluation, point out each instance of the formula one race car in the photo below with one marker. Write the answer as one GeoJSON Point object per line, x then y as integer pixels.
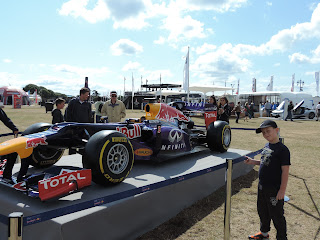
{"type": "Point", "coordinates": [109, 149]}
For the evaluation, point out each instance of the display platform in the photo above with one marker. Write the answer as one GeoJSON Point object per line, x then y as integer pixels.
{"type": "Point", "coordinates": [130, 217]}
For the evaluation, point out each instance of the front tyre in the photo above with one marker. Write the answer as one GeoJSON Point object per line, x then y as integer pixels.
{"type": "Point", "coordinates": [43, 157]}
{"type": "Point", "coordinates": [109, 155]}
{"type": "Point", "coordinates": [219, 136]}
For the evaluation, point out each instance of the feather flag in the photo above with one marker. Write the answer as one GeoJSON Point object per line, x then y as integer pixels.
{"type": "Point", "coordinates": [292, 83]}
{"type": "Point", "coordinates": [270, 85]}
{"type": "Point", "coordinates": [185, 85]}
{"type": "Point", "coordinates": [237, 92]}
{"type": "Point", "coordinates": [254, 85]}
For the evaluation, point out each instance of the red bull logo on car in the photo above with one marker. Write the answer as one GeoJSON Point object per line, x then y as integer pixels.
{"type": "Point", "coordinates": [130, 133]}
{"type": "Point", "coordinates": [34, 142]}
{"type": "Point", "coordinates": [169, 114]}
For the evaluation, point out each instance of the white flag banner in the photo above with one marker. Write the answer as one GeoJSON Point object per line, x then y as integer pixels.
{"type": "Point", "coordinates": [132, 92]}
{"type": "Point", "coordinates": [185, 85]}
{"type": "Point", "coordinates": [270, 85]}
{"type": "Point", "coordinates": [238, 87]}
{"type": "Point", "coordinates": [254, 85]}
{"type": "Point", "coordinates": [292, 84]}
{"type": "Point", "coordinates": [317, 82]}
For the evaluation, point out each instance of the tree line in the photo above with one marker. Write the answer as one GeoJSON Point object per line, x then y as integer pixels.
{"type": "Point", "coordinates": [45, 93]}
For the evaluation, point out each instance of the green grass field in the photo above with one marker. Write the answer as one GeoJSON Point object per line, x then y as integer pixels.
{"type": "Point", "coordinates": [204, 219]}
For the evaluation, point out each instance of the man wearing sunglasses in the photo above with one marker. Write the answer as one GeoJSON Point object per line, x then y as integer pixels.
{"type": "Point", "coordinates": [113, 108]}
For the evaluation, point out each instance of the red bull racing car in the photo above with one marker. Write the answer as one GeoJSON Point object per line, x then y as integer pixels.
{"type": "Point", "coordinates": [108, 149]}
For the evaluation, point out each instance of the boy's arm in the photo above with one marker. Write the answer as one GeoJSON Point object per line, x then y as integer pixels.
{"type": "Point", "coordinates": [251, 161]}
{"type": "Point", "coordinates": [284, 182]}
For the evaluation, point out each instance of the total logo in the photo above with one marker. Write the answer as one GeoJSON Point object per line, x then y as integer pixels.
{"type": "Point", "coordinates": [210, 115]}
{"type": "Point", "coordinates": [130, 133]}
{"type": "Point", "coordinates": [54, 182]}
{"type": "Point", "coordinates": [175, 135]}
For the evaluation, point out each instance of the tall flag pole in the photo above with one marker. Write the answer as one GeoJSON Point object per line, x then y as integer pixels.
{"type": "Point", "coordinates": [292, 83]}
{"type": "Point", "coordinates": [254, 85]}
{"type": "Point", "coordinates": [86, 84]}
{"type": "Point", "coordinates": [186, 76]}
{"type": "Point", "coordinates": [237, 93]}
{"type": "Point", "coordinates": [317, 82]}
{"type": "Point", "coordinates": [270, 85]}
{"type": "Point", "coordinates": [160, 89]}
{"type": "Point", "coordinates": [124, 87]}
{"type": "Point", "coordinates": [132, 92]}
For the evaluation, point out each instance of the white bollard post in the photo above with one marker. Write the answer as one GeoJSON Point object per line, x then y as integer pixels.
{"type": "Point", "coordinates": [227, 206]}
{"type": "Point", "coordinates": [15, 226]}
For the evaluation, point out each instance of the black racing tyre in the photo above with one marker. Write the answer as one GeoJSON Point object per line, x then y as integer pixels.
{"type": "Point", "coordinates": [219, 136]}
{"type": "Point", "coordinates": [109, 155]}
{"type": "Point", "coordinates": [42, 156]}
{"type": "Point", "coordinates": [311, 115]}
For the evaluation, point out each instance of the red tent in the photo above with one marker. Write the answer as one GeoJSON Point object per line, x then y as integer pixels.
{"type": "Point", "coordinates": [7, 93]}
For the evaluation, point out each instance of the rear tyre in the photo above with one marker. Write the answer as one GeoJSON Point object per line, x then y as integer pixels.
{"type": "Point", "coordinates": [42, 156]}
{"type": "Point", "coordinates": [109, 155]}
{"type": "Point", "coordinates": [219, 136]}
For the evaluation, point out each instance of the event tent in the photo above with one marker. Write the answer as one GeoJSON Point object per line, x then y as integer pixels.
{"type": "Point", "coordinates": [7, 93]}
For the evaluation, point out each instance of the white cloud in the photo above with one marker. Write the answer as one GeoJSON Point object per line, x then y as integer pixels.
{"type": "Point", "coordinates": [130, 14]}
{"type": "Point", "coordinates": [218, 6]}
{"type": "Point", "coordinates": [221, 63]}
{"type": "Point", "coordinates": [130, 66]}
{"type": "Point", "coordinates": [125, 46]}
{"type": "Point", "coordinates": [205, 48]}
{"type": "Point", "coordinates": [161, 40]}
{"type": "Point", "coordinates": [82, 72]}
{"type": "Point", "coordinates": [181, 28]}
{"type": "Point", "coordinates": [269, 4]}
{"type": "Point", "coordinates": [303, 59]}
{"type": "Point", "coordinates": [79, 8]}
{"type": "Point", "coordinates": [7, 60]}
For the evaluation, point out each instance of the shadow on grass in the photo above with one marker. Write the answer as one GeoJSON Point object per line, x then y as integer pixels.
{"type": "Point", "coordinates": [314, 204]}
{"type": "Point", "coordinates": [195, 213]}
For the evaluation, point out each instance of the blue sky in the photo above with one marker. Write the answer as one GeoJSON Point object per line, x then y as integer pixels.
{"type": "Point", "coordinates": [58, 43]}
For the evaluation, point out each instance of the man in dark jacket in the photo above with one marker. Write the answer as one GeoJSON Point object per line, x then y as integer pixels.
{"type": "Point", "coordinates": [290, 107]}
{"type": "Point", "coordinates": [79, 109]}
{"type": "Point", "coordinates": [7, 121]}
{"type": "Point", "coordinates": [11, 158]}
